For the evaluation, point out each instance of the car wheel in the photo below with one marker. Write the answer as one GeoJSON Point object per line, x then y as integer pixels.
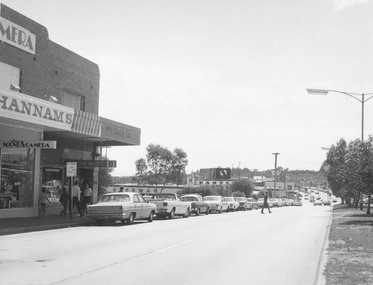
{"type": "Point", "coordinates": [100, 222]}
{"type": "Point", "coordinates": [172, 214]}
{"type": "Point", "coordinates": [130, 219]}
{"type": "Point", "coordinates": [220, 210]}
{"type": "Point", "coordinates": [151, 217]}
{"type": "Point", "coordinates": [207, 211]}
{"type": "Point", "coordinates": [198, 212]}
{"type": "Point", "coordinates": [187, 213]}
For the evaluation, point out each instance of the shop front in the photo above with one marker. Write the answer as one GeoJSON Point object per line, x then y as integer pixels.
{"type": "Point", "coordinates": [29, 161]}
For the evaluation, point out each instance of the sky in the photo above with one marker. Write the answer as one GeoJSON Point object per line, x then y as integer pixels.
{"type": "Point", "coordinates": [224, 80]}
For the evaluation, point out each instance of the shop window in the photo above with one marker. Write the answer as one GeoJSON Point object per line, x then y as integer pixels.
{"type": "Point", "coordinates": [9, 77]}
{"type": "Point", "coordinates": [17, 175]}
{"type": "Point", "coordinates": [52, 182]}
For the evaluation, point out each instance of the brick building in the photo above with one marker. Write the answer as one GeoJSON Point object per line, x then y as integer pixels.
{"type": "Point", "coordinates": [49, 103]}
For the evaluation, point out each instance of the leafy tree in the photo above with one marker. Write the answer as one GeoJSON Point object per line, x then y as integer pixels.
{"type": "Point", "coordinates": [349, 169]}
{"type": "Point", "coordinates": [141, 170]}
{"type": "Point", "coordinates": [178, 163]}
{"type": "Point", "coordinates": [158, 159]}
{"type": "Point", "coordinates": [104, 179]}
{"type": "Point", "coordinates": [161, 165]}
{"type": "Point", "coordinates": [333, 167]}
{"type": "Point", "coordinates": [242, 185]}
{"type": "Point", "coordinates": [238, 194]}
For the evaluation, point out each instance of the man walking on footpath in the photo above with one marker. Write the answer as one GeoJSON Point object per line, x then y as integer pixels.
{"type": "Point", "coordinates": [76, 198]}
{"type": "Point", "coordinates": [265, 204]}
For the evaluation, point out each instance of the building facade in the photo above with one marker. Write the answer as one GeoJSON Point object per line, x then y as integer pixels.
{"type": "Point", "coordinates": [49, 103]}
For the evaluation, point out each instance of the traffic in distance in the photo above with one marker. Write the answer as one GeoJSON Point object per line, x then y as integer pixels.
{"type": "Point", "coordinates": [130, 206]}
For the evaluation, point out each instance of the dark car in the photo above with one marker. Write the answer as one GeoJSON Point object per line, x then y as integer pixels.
{"type": "Point", "coordinates": [198, 205]}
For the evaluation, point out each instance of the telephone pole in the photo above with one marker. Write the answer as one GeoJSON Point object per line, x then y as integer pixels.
{"type": "Point", "coordinates": [275, 154]}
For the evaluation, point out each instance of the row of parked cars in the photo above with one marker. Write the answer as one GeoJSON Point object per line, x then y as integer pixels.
{"type": "Point", "coordinates": [129, 206]}
{"type": "Point", "coordinates": [280, 202]}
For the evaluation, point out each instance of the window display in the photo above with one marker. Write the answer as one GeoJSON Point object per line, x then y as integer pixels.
{"type": "Point", "coordinates": [17, 174]}
{"type": "Point", "coordinates": [52, 182]}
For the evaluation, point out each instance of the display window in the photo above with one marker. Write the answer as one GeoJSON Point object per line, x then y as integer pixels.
{"type": "Point", "coordinates": [17, 177]}
{"type": "Point", "coordinates": [52, 181]}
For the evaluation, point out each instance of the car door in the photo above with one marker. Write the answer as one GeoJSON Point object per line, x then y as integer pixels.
{"type": "Point", "coordinates": [138, 206]}
{"type": "Point", "coordinates": [146, 207]}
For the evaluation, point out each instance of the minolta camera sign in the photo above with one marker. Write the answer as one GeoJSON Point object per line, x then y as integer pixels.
{"type": "Point", "coordinates": [17, 36]}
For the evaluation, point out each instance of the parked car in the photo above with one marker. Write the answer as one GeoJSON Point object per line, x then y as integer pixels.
{"type": "Point", "coordinates": [297, 203]}
{"type": "Point", "coordinates": [125, 207]}
{"type": "Point", "coordinates": [242, 203]}
{"type": "Point", "coordinates": [318, 202]}
{"type": "Point", "coordinates": [232, 204]}
{"type": "Point", "coordinates": [260, 202]}
{"type": "Point", "coordinates": [253, 204]}
{"type": "Point", "coordinates": [169, 205]}
{"type": "Point", "coordinates": [216, 203]}
{"type": "Point", "coordinates": [197, 204]}
{"type": "Point", "coordinates": [273, 202]}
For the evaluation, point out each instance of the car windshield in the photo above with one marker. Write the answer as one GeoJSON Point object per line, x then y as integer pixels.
{"type": "Point", "coordinates": [164, 197]}
{"type": "Point", "coordinates": [211, 198]}
{"type": "Point", "coordinates": [187, 199]}
{"type": "Point", "coordinates": [114, 198]}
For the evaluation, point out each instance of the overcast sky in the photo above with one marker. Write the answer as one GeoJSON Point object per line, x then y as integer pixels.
{"type": "Point", "coordinates": [225, 80]}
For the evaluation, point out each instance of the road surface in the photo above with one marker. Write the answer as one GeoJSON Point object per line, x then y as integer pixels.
{"type": "Point", "coordinates": [284, 247]}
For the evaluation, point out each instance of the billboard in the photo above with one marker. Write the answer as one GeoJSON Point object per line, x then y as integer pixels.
{"type": "Point", "coordinates": [221, 173]}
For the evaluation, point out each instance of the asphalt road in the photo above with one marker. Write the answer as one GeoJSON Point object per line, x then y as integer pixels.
{"type": "Point", "coordinates": [284, 247]}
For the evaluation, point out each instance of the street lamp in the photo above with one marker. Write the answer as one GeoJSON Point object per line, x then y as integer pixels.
{"type": "Point", "coordinates": [359, 97]}
{"type": "Point", "coordinates": [356, 96]}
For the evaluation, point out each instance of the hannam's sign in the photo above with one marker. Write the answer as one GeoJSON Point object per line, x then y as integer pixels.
{"type": "Point", "coordinates": [17, 106]}
{"type": "Point", "coordinates": [17, 36]}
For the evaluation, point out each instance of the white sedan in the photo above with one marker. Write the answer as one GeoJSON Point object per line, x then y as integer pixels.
{"type": "Point", "coordinates": [216, 203]}
{"type": "Point", "coordinates": [125, 207]}
{"type": "Point", "coordinates": [232, 203]}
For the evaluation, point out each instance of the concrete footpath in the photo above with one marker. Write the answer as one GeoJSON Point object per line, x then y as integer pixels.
{"type": "Point", "coordinates": [23, 225]}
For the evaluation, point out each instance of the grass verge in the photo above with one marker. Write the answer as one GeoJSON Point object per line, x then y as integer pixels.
{"type": "Point", "coordinates": [350, 251]}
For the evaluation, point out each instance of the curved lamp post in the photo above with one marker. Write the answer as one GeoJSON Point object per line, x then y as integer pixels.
{"type": "Point", "coordinates": [359, 97]}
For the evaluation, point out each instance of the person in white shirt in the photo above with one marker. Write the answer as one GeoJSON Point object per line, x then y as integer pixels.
{"type": "Point", "coordinates": [87, 198]}
{"type": "Point", "coordinates": [76, 198]}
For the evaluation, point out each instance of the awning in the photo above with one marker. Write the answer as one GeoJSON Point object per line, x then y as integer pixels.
{"type": "Point", "coordinates": [116, 134]}
{"type": "Point", "coordinates": [86, 124]}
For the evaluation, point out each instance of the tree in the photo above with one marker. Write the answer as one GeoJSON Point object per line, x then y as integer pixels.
{"type": "Point", "coordinates": [178, 163]}
{"type": "Point", "coordinates": [104, 178]}
{"type": "Point", "coordinates": [158, 159]}
{"type": "Point", "coordinates": [349, 169]}
{"type": "Point", "coordinates": [334, 168]}
{"type": "Point", "coordinates": [242, 185]}
{"type": "Point", "coordinates": [141, 170]}
{"type": "Point", "coordinates": [161, 165]}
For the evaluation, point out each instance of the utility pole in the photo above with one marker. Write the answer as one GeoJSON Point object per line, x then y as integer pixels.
{"type": "Point", "coordinates": [274, 190]}
{"type": "Point", "coordinates": [239, 170]}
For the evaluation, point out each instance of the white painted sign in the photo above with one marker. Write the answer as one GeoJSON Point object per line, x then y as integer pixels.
{"type": "Point", "coordinates": [71, 169]}
{"type": "Point", "coordinates": [17, 36]}
{"type": "Point", "coordinates": [18, 106]}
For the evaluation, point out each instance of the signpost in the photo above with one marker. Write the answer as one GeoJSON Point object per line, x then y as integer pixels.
{"type": "Point", "coordinates": [71, 171]}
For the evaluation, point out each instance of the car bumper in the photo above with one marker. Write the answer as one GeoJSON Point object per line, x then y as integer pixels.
{"type": "Point", "coordinates": [107, 217]}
